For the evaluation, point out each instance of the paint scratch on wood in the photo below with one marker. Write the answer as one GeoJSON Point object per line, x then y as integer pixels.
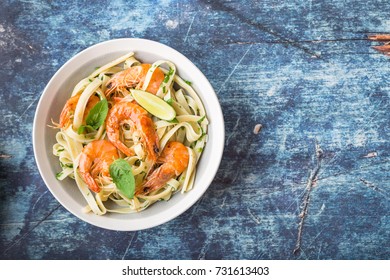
{"type": "Point", "coordinates": [223, 202]}
{"type": "Point", "coordinates": [234, 69]}
{"type": "Point", "coordinates": [39, 198]}
{"type": "Point", "coordinates": [233, 131]}
{"type": "Point", "coordinates": [189, 28]}
{"type": "Point", "coordinates": [203, 250]}
{"type": "Point", "coordinates": [29, 231]}
{"type": "Point", "coordinates": [196, 207]}
{"type": "Point", "coordinates": [266, 29]}
{"type": "Point", "coordinates": [128, 246]}
{"type": "Point", "coordinates": [253, 216]}
{"type": "Point", "coordinates": [29, 106]}
{"type": "Point", "coordinates": [309, 186]}
{"type": "Point", "coordinates": [369, 184]}
{"type": "Point", "coordinates": [374, 188]}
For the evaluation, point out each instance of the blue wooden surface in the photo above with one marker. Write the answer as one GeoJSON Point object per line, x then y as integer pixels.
{"type": "Point", "coordinates": [303, 69]}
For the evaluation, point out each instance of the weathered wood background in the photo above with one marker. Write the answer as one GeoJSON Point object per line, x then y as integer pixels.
{"type": "Point", "coordinates": [303, 69]}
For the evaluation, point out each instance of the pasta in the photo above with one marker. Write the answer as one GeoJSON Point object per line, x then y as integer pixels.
{"type": "Point", "coordinates": [102, 112]}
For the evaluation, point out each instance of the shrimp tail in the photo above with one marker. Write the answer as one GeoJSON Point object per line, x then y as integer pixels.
{"type": "Point", "coordinates": [156, 180]}
{"type": "Point", "coordinates": [95, 160]}
{"type": "Point", "coordinates": [174, 160]}
{"type": "Point", "coordinates": [85, 173]}
{"type": "Point", "coordinates": [67, 111]}
{"type": "Point", "coordinates": [150, 137]}
{"type": "Point", "coordinates": [93, 186]}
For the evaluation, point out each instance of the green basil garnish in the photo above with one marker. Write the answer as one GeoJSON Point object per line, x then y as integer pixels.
{"type": "Point", "coordinates": [98, 114]}
{"type": "Point", "coordinates": [95, 118]}
{"type": "Point", "coordinates": [174, 121]}
{"type": "Point", "coordinates": [85, 129]}
{"type": "Point", "coordinates": [122, 175]}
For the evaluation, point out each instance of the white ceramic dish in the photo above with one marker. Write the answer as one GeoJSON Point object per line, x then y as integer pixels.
{"type": "Point", "coordinates": [58, 91]}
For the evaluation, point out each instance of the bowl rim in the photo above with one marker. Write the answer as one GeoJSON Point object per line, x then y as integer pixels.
{"type": "Point", "coordinates": [217, 148]}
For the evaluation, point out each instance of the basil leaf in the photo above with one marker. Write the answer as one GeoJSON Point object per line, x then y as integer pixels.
{"type": "Point", "coordinates": [174, 121]}
{"type": "Point", "coordinates": [169, 101]}
{"type": "Point", "coordinates": [85, 128]}
{"type": "Point", "coordinates": [122, 175]}
{"type": "Point", "coordinates": [98, 114]}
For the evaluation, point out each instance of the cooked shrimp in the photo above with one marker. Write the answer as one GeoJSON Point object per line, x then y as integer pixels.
{"type": "Point", "coordinates": [95, 160]}
{"type": "Point", "coordinates": [174, 159]}
{"type": "Point", "coordinates": [134, 77]}
{"type": "Point", "coordinates": [125, 112]}
{"type": "Point", "coordinates": [70, 106]}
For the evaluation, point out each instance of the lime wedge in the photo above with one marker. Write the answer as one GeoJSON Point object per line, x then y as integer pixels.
{"type": "Point", "coordinates": [154, 104]}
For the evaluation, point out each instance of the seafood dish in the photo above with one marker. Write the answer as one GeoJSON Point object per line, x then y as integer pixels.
{"type": "Point", "coordinates": [130, 134]}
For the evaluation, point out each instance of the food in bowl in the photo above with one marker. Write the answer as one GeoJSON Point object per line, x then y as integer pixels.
{"type": "Point", "coordinates": [130, 134]}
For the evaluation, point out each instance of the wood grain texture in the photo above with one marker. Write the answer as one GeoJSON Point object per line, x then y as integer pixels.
{"type": "Point", "coordinates": [303, 69]}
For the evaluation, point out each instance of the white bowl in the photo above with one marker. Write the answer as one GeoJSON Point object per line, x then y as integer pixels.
{"type": "Point", "coordinates": [58, 91]}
